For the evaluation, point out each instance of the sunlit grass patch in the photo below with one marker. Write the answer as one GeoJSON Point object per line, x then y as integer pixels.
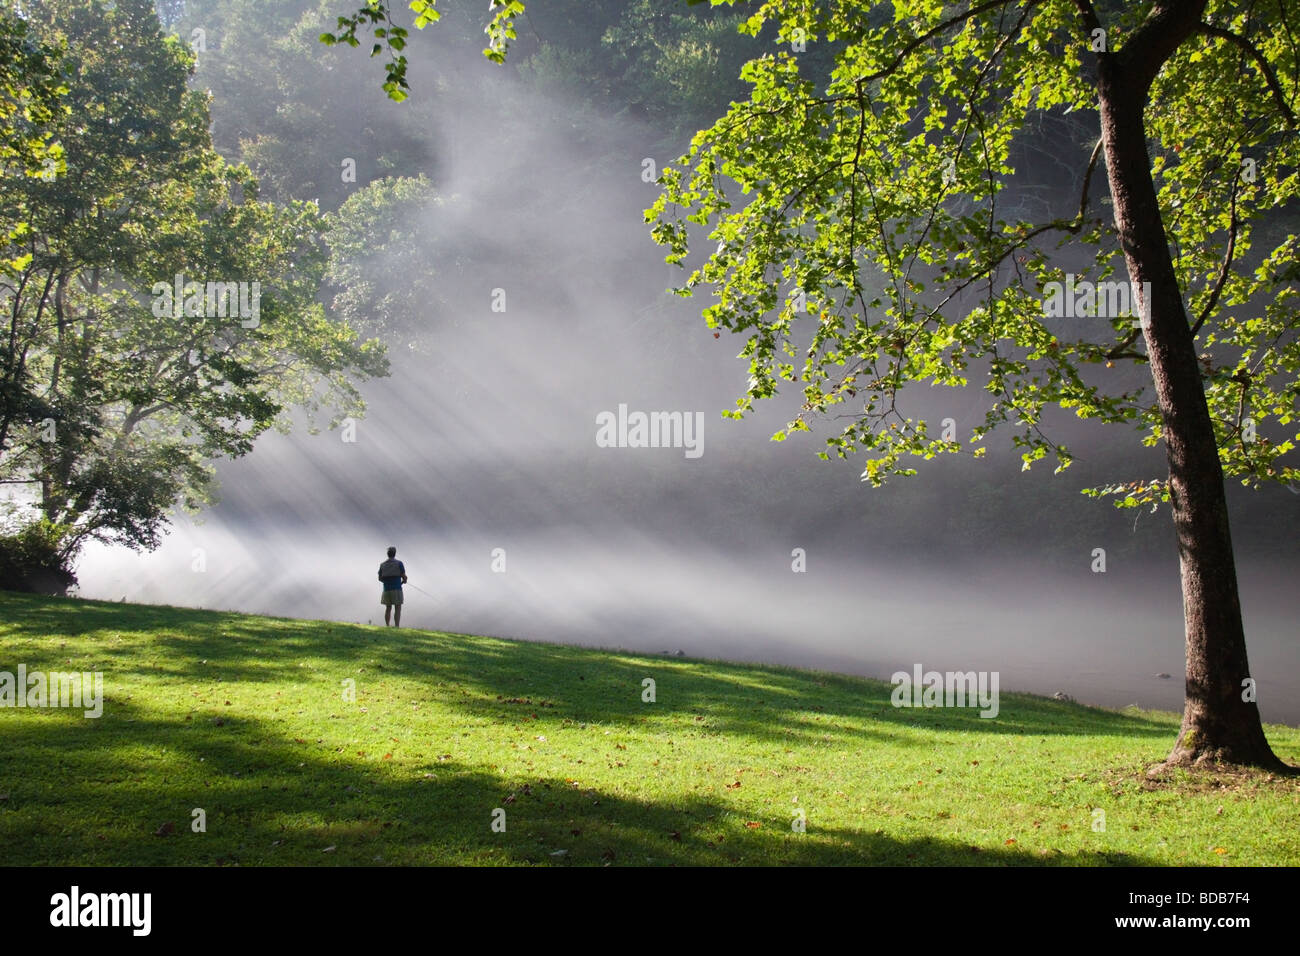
{"type": "Point", "coordinates": [252, 721]}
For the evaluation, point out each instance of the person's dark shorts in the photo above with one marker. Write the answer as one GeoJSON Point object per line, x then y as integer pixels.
{"type": "Point", "coordinates": [391, 597]}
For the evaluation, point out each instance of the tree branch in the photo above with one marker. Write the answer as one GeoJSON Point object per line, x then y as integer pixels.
{"type": "Point", "coordinates": [1089, 15]}
{"type": "Point", "coordinates": [1163, 31]}
{"type": "Point", "coordinates": [1252, 51]}
{"type": "Point", "coordinates": [1087, 179]}
{"type": "Point", "coordinates": [1227, 261]}
{"type": "Point", "coordinates": [948, 24]}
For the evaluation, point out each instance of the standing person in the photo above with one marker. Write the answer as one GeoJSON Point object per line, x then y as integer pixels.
{"type": "Point", "coordinates": [393, 575]}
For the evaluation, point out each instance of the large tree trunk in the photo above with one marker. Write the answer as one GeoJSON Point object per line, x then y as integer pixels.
{"type": "Point", "coordinates": [1218, 725]}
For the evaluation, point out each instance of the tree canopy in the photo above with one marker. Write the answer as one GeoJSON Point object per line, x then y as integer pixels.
{"type": "Point", "coordinates": [866, 237]}
{"type": "Point", "coordinates": [158, 315]}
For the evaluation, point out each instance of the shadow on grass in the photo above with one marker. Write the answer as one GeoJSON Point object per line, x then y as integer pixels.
{"type": "Point", "coordinates": [584, 685]}
{"type": "Point", "coordinates": [80, 792]}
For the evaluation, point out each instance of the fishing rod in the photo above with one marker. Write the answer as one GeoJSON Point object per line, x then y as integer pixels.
{"type": "Point", "coordinates": [408, 584]}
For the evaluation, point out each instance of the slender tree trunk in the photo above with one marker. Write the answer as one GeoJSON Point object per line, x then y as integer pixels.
{"type": "Point", "coordinates": [14, 401]}
{"type": "Point", "coordinates": [1218, 724]}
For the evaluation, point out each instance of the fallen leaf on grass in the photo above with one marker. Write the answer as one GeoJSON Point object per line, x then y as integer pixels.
{"type": "Point", "coordinates": [752, 825]}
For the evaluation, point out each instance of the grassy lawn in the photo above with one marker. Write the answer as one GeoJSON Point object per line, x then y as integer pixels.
{"type": "Point", "coordinates": [246, 718]}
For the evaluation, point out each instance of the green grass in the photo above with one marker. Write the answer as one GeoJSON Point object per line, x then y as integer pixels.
{"type": "Point", "coordinates": [245, 718]}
